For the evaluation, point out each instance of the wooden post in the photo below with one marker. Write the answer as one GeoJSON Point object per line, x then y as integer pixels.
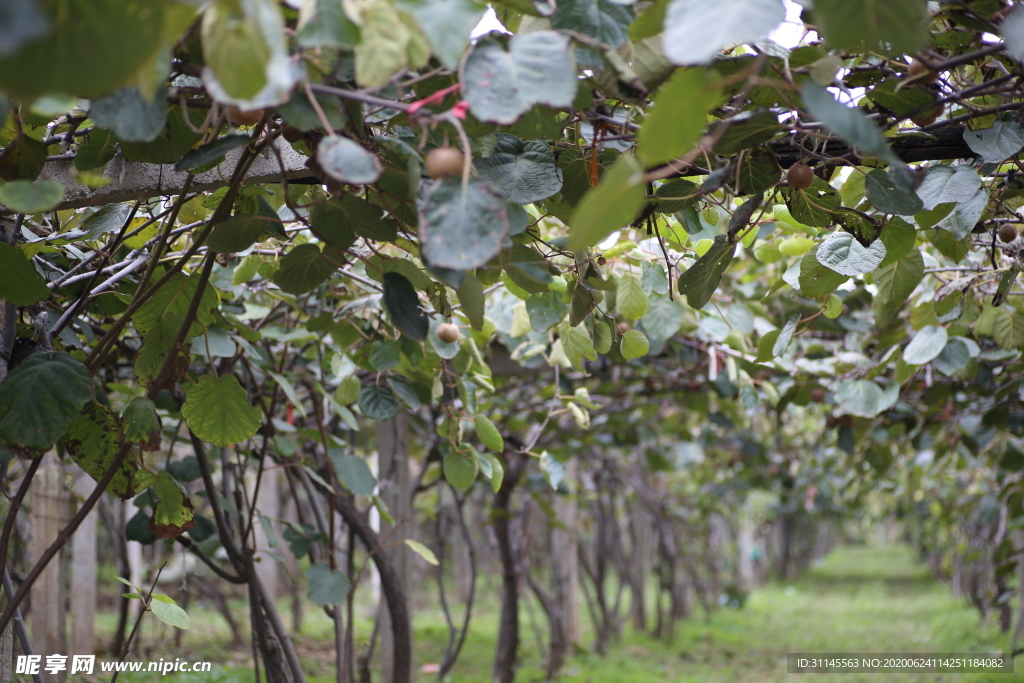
{"type": "Point", "coordinates": [393, 453]}
{"type": "Point", "coordinates": [83, 578]}
{"type": "Point", "coordinates": [48, 516]}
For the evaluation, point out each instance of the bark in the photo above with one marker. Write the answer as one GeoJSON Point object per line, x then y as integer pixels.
{"type": "Point", "coordinates": [395, 488]}
{"type": "Point", "coordinates": [508, 624]}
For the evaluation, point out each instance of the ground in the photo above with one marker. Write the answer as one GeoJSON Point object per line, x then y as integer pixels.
{"type": "Point", "coordinates": [859, 599]}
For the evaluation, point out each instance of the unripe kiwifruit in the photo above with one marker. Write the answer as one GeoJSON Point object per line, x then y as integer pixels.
{"type": "Point", "coordinates": [244, 118]}
{"type": "Point", "coordinates": [918, 68]}
{"type": "Point", "coordinates": [1007, 232]}
{"type": "Point", "coordinates": [442, 161]}
{"type": "Point", "coordinates": [800, 176]}
{"type": "Point", "coordinates": [448, 333]}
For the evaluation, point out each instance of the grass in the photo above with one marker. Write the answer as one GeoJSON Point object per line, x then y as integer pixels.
{"type": "Point", "coordinates": [858, 600]}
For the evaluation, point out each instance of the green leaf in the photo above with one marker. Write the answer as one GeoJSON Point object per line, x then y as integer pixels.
{"type": "Point", "coordinates": [447, 25]}
{"type": "Point", "coordinates": [553, 469]}
{"type": "Point", "coordinates": [663, 319]}
{"type": "Point", "coordinates": [173, 515]}
{"type": "Point", "coordinates": [378, 403]}
{"type": "Point", "coordinates": [696, 29]}
{"type": "Point", "coordinates": [174, 298]}
{"type": "Point", "coordinates": [861, 397]}
{"type": "Point", "coordinates": [246, 54]}
{"type": "Point", "coordinates": [1008, 329]}
{"type": "Point", "coordinates": [849, 123]}
{"type": "Point", "coordinates": [353, 472]}
{"type": "Point", "coordinates": [842, 253]}
{"type": "Point", "coordinates": [816, 206]}
{"type": "Point", "coordinates": [471, 296]}
{"type": "Point", "coordinates": [633, 345]}
{"type": "Point", "coordinates": [155, 347]}
{"type": "Point", "coordinates": [460, 469]}
{"type": "Point", "coordinates": [898, 280]}
{"type": "Point", "coordinates": [785, 336]}
{"type": "Point", "coordinates": [130, 116]}
{"type": "Point", "coordinates": [384, 355]}
{"type": "Point", "coordinates": [403, 305]}
{"type": "Point", "coordinates": [926, 345]}
{"type": "Point", "coordinates": [238, 233]}
{"type": "Point", "coordinates": [605, 21]}
{"type": "Point", "coordinates": [461, 227]}
{"type": "Point", "coordinates": [173, 142]}
{"type": "Point", "coordinates": [101, 146]}
{"type": "Point", "coordinates": [405, 393]}
{"type": "Point", "coordinates": [489, 435]}
{"type": "Point", "coordinates": [170, 614]}
{"type": "Point", "coordinates": [383, 44]}
{"type": "Point", "coordinates": [217, 410]}
{"type": "Point", "coordinates": [678, 117]}
{"type": "Point", "coordinates": [347, 161]}
{"type": "Point", "coordinates": [766, 346]}
{"type": "Point", "coordinates": [92, 47]}
{"type": "Point", "coordinates": [141, 424]}
{"type": "Point", "coordinates": [211, 152]}
{"type": "Point", "coordinates": [501, 86]}
{"type": "Point", "coordinates": [699, 282]}
{"type": "Point", "coordinates": [423, 551]}
{"type": "Point", "coordinates": [545, 309]}
{"type": "Point", "coordinates": [611, 205]}
{"type": "Point", "coordinates": [23, 196]}
{"type": "Point", "coordinates": [898, 237]}
{"type": "Point", "coordinates": [327, 27]}
{"type": "Point", "coordinates": [630, 298]}
{"type": "Point", "coordinates": [365, 218]}
{"type": "Point", "coordinates": [497, 473]}
{"type": "Point", "coordinates": [602, 336]}
{"type": "Point", "coordinates": [943, 184]}
{"type": "Point", "coordinates": [326, 586]}
{"type": "Point", "coordinates": [885, 196]}
{"type": "Point", "coordinates": [348, 391]}
{"type": "Point", "coordinates": [20, 284]}
{"type": "Point", "coordinates": [289, 392]}
{"type": "Point", "coordinates": [997, 143]}
{"type": "Point", "coordinates": [298, 112]}
{"type": "Point", "coordinates": [896, 26]}
{"type": "Point", "coordinates": [816, 280]}
{"type": "Point", "coordinates": [302, 269]}
{"type": "Point", "coordinates": [22, 159]}
{"type": "Point", "coordinates": [93, 440]}
{"type": "Point", "coordinates": [40, 398]}
{"type": "Point", "coordinates": [966, 215]}
{"type": "Point", "coordinates": [525, 172]}
{"type": "Point", "coordinates": [954, 356]}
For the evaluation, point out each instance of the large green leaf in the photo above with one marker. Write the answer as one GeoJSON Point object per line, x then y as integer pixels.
{"type": "Point", "coordinates": [966, 215]}
{"type": "Point", "coordinates": [545, 309]}
{"type": "Point", "coordinates": [501, 86]}
{"type": "Point", "coordinates": [815, 206]}
{"type": "Point", "coordinates": [24, 196]}
{"type": "Point", "coordinates": [378, 403]}
{"type": "Point", "coordinates": [849, 123]}
{"type": "Point", "coordinates": [678, 116]}
{"type": "Point", "coordinates": [172, 143]}
{"type": "Point", "coordinates": [40, 398]}
{"type": "Point", "coordinates": [403, 305]}
{"type": "Point", "coordinates": [862, 398]}
{"type": "Point", "coordinates": [461, 226]}
{"type": "Point", "coordinates": [816, 280]}
{"type": "Point", "coordinates": [605, 21]}
{"type": "Point", "coordinates": [898, 280]}
{"type": "Point", "coordinates": [141, 424]}
{"type": "Point", "coordinates": [524, 172]}
{"type": "Point", "coordinates": [93, 441]}
{"type": "Point", "coordinates": [383, 44]}
{"type": "Point", "coordinates": [447, 25]}
{"type": "Point", "coordinates": [630, 298]}
{"type": "Point", "coordinates": [887, 197]}
{"type": "Point", "coordinates": [173, 513]}
{"type": "Point", "coordinates": [20, 284]}
{"type": "Point", "coordinates": [92, 47]}
{"type": "Point", "coordinates": [238, 233]}
{"type": "Point", "coordinates": [353, 472]}
{"type": "Point", "coordinates": [926, 345]}
{"type": "Point", "coordinates": [155, 347]}
{"type": "Point", "coordinates": [22, 158]}
{"type": "Point", "coordinates": [1008, 329]}
{"type": "Point", "coordinates": [611, 205]}
{"type": "Point", "coordinates": [842, 253]}
{"type": "Point", "coordinates": [324, 24]}
{"type": "Point", "coordinates": [217, 410]}
{"type": "Point", "coordinates": [699, 282]}
{"type": "Point", "coordinates": [663, 319]}
{"type": "Point", "coordinates": [132, 117]}
{"type": "Point", "coordinates": [101, 146]}
{"type": "Point", "coordinates": [302, 269]}
{"type": "Point", "coordinates": [366, 219]}
{"type": "Point", "coordinates": [898, 26]}
{"type": "Point", "coordinates": [246, 54]}
{"type": "Point", "coordinates": [460, 469]}
{"type": "Point", "coordinates": [898, 237]}
{"type": "Point", "coordinates": [326, 586]}
{"type": "Point", "coordinates": [997, 143]}
{"type": "Point", "coordinates": [696, 29]}
{"type": "Point", "coordinates": [347, 161]}
{"type": "Point", "coordinates": [943, 184]}
{"type": "Point", "coordinates": [166, 611]}
{"type": "Point", "coordinates": [633, 344]}
{"type": "Point", "coordinates": [899, 98]}
{"type": "Point", "coordinates": [175, 297]}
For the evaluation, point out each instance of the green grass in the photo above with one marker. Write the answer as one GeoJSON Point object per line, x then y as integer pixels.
{"type": "Point", "coordinates": [859, 600]}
